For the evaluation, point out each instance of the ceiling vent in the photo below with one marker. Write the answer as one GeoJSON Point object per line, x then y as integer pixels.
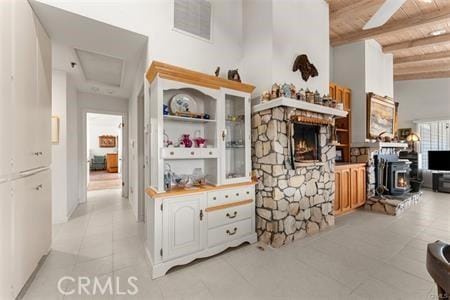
{"type": "Point", "coordinates": [100, 68]}
{"type": "Point", "coordinates": [193, 17]}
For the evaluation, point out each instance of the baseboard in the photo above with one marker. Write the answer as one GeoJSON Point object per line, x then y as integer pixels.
{"type": "Point", "coordinates": [72, 211]}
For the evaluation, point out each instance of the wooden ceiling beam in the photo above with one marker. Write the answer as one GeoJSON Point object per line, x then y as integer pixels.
{"type": "Point", "coordinates": [356, 8]}
{"type": "Point", "coordinates": [393, 26]}
{"type": "Point", "coordinates": [421, 68]}
{"type": "Point", "coordinates": [424, 75]}
{"type": "Point", "coordinates": [422, 58]}
{"type": "Point", "coordinates": [432, 40]}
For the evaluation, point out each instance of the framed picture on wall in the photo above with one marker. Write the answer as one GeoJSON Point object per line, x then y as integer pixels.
{"type": "Point", "coordinates": [403, 133]}
{"type": "Point", "coordinates": [381, 116]}
{"type": "Point", "coordinates": [107, 141]}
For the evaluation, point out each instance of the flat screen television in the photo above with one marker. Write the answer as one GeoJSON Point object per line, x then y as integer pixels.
{"type": "Point", "coordinates": [439, 160]}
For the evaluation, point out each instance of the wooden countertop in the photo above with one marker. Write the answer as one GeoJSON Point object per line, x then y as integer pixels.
{"type": "Point", "coordinates": [349, 165]}
{"type": "Point", "coordinates": [152, 193]}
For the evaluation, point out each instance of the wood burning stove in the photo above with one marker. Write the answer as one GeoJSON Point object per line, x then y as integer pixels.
{"type": "Point", "coordinates": [392, 175]}
{"type": "Point", "coordinates": [398, 177]}
{"type": "Point", "coordinates": [306, 143]}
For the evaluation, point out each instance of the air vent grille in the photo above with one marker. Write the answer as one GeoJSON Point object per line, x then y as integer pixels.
{"type": "Point", "coordinates": [193, 17]}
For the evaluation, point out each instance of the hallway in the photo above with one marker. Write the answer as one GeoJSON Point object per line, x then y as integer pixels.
{"type": "Point", "coordinates": [365, 256]}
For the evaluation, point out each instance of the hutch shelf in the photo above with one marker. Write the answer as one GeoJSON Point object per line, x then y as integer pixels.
{"type": "Point", "coordinates": [185, 223]}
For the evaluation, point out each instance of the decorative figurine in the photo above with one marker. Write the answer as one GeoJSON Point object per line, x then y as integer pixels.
{"type": "Point", "coordinates": [167, 142]}
{"type": "Point", "coordinates": [206, 116]}
{"type": "Point", "coordinates": [293, 90]}
{"type": "Point", "coordinates": [217, 72]}
{"type": "Point", "coordinates": [309, 96]}
{"type": "Point", "coordinates": [317, 99]}
{"type": "Point", "coordinates": [234, 75]}
{"type": "Point", "coordinates": [186, 141]}
{"type": "Point", "coordinates": [265, 96]}
{"type": "Point", "coordinates": [306, 68]}
{"type": "Point", "coordinates": [286, 90]}
{"type": "Point", "coordinates": [275, 91]}
{"type": "Point", "coordinates": [301, 95]}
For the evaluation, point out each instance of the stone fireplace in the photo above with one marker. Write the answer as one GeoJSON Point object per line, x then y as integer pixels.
{"type": "Point", "coordinates": [294, 163]}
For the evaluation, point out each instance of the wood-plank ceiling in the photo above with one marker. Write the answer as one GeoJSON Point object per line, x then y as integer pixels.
{"type": "Point", "coordinates": [407, 35]}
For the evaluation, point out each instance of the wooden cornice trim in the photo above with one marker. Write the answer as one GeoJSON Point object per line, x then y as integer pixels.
{"type": "Point", "coordinates": [445, 38]}
{"type": "Point", "coordinates": [394, 26]}
{"type": "Point", "coordinates": [423, 75]}
{"type": "Point", "coordinates": [421, 58]}
{"type": "Point", "coordinates": [193, 77]}
{"type": "Point", "coordinates": [353, 9]}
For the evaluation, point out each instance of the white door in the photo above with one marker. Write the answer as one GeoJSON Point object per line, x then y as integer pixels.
{"type": "Point", "coordinates": [183, 223]}
{"type": "Point", "coordinates": [5, 86]}
{"type": "Point", "coordinates": [6, 240]}
{"type": "Point", "coordinates": [24, 87]}
{"type": "Point", "coordinates": [44, 98]}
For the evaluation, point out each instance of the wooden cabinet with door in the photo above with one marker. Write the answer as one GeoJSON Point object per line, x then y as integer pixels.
{"type": "Point", "coordinates": [343, 125]}
{"type": "Point", "coordinates": [350, 187]}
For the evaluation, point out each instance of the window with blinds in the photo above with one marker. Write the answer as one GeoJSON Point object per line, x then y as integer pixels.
{"type": "Point", "coordinates": [193, 17]}
{"type": "Point", "coordinates": [433, 136]}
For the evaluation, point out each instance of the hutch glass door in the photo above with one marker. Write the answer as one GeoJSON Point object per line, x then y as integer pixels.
{"type": "Point", "coordinates": [236, 138]}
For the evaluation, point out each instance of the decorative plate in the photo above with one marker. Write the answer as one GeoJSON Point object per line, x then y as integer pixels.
{"type": "Point", "coordinates": [182, 103]}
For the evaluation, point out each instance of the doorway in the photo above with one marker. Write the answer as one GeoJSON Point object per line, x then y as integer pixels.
{"type": "Point", "coordinates": [104, 152]}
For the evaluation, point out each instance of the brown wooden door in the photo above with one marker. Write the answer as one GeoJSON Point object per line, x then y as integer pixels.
{"type": "Point", "coordinates": [353, 187]}
{"type": "Point", "coordinates": [339, 94]}
{"type": "Point", "coordinates": [361, 187]}
{"type": "Point", "coordinates": [347, 99]}
{"type": "Point", "coordinates": [332, 91]}
{"type": "Point", "coordinates": [345, 190]}
{"type": "Point", "coordinates": [337, 194]}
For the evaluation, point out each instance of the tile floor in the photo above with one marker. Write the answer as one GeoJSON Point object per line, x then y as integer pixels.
{"type": "Point", "coordinates": [365, 256]}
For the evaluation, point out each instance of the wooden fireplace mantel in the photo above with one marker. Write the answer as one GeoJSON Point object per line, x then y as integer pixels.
{"type": "Point", "coordinates": [300, 105]}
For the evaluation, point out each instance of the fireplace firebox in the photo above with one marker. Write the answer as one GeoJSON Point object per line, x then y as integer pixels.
{"type": "Point", "coordinates": [398, 179]}
{"type": "Point", "coordinates": [306, 143]}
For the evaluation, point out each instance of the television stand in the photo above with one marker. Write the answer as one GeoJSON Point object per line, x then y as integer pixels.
{"type": "Point", "coordinates": [441, 182]}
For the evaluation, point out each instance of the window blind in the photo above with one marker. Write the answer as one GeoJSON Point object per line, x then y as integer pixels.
{"type": "Point", "coordinates": [433, 136]}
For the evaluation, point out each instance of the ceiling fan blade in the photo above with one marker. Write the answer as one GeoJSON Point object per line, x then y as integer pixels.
{"type": "Point", "coordinates": [386, 11]}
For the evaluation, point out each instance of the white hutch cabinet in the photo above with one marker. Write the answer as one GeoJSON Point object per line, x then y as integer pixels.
{"type": "Point", "coordinates": [185, 223]}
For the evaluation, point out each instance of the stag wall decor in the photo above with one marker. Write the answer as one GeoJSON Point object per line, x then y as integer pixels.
{"type": "Point", "coordinates": [306, 68]}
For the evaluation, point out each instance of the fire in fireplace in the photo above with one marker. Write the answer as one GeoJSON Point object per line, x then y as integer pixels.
{"type": "Point", "coordinates": [306, 142]}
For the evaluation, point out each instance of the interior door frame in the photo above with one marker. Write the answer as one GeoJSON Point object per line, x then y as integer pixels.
{"type": "Point", "coordinates": [140, 146]}
{"type": "Point", "coordinates": [83, 153]}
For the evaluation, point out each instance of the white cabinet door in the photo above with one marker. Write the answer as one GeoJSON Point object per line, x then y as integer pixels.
{"type": "Point", "coordinates": [5, 86]}
{"type": "Point", "coordinates": [183, 225]}
{"type": "Point", "coordinates": [41, 205]}
{"type": "Point", "coordinates": [24, 86]}
{"type": "Point", "coordinates": [23, 235]}
{"type": "Point", "coordinates": [44, 100]}
{"type": "Point", "coordinates": [235, 137]}
{"type": "Point", "coordinates": [6, 240]}
{"type": "Point", "coordinates": [32, 224]}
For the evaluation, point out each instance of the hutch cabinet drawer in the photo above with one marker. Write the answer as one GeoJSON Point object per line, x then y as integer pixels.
{"type": "Point", "coordinates": [229, 215]}
{"type": "Point", "coordinates": [229, 232]}
{"type": "Point", "coordinates": [231, 195]}
{"type": "Point", "coordinates": [188, 153]}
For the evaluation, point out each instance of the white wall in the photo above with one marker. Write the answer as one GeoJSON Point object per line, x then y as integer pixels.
{"type": "Point", "coordinates": [59, 151]}
{"type": "Point", "coordinates": [427, 99]}
{"type": "Point", "coordinates": [275, 32]}
{"type": "Point", "coordinates": [97, 128]}
{"type": "Point", "coordinates": [72, 147]}
{"type": "Point", "coordinates": [379, 70]}
{"type": "Point", "coordinates": [349, 71]}
{"type": "Point", "coordinates": [364, 68]}
{"type": "Point", "coordinates": [153, 19]}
